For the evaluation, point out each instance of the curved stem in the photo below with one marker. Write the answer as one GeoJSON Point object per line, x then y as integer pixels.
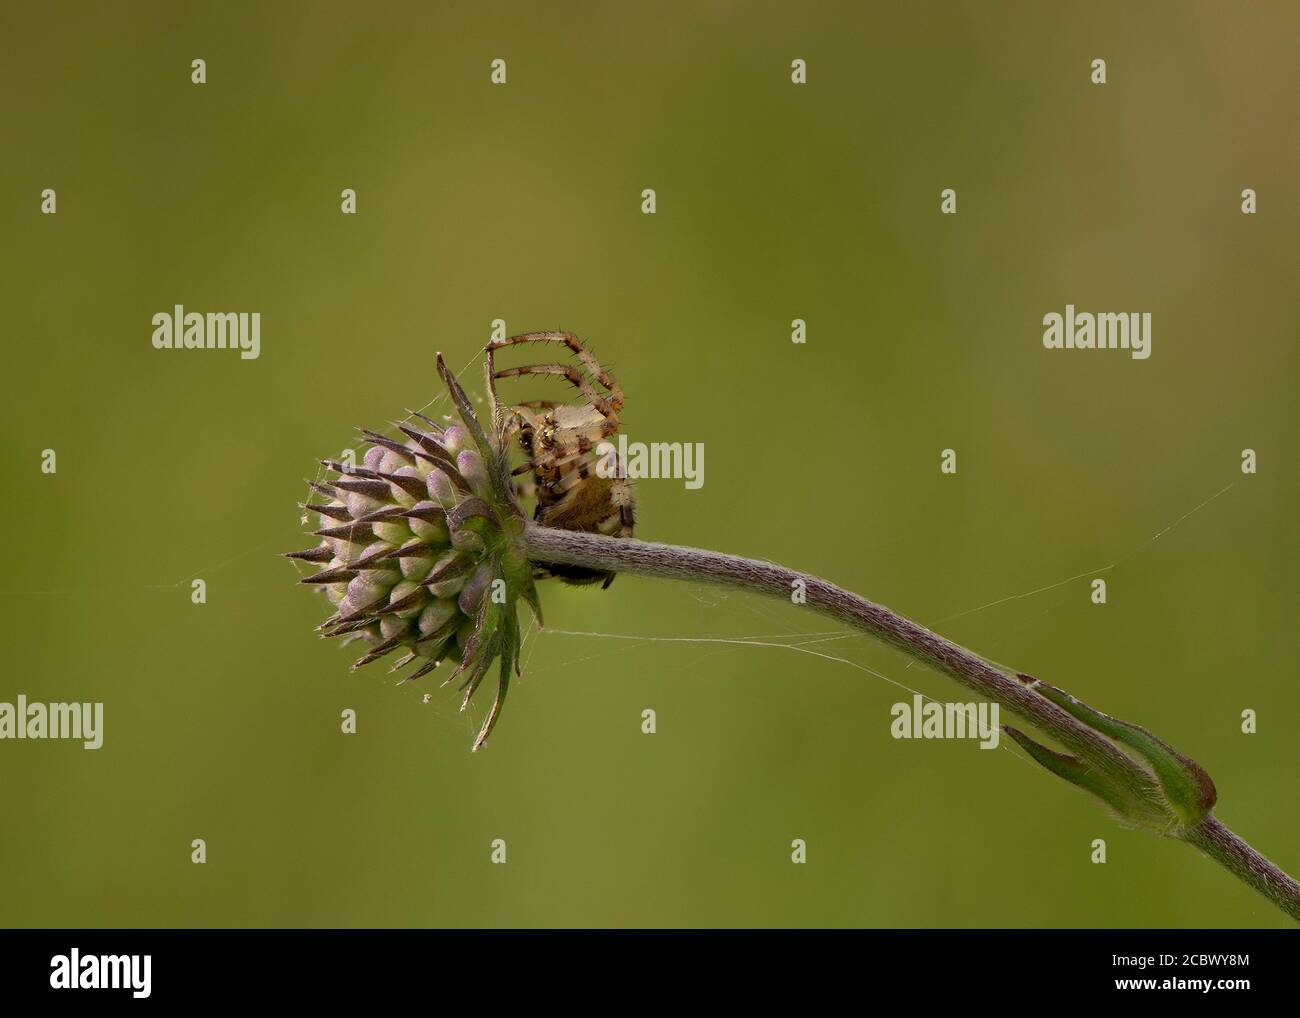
{"type": "Point", "coordinates": [620, 555]}
{"type": "Point", "coordinates": [1012, 691]}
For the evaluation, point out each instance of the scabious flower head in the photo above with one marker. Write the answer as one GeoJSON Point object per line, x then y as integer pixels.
{"type": "Point", "coordinates": [420, 551]}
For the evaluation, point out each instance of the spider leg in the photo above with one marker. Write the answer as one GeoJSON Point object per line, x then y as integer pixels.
{"type": "Point", "coordinates": [575, 378]}
{"type": "Point", "coordinates": [587, 435]}
{"type": "Point", "coordinates": [572, 478]}
{"type": "Point", "coordinates": [569, 444]}
{"type": "Point", "coordinates": [510, 423]}
{"type": "Point", "coordinates": [626, 514]}
{"type": "Point", "coordinates": [499, 412]}
{"type": "Point", "coordinates": [525, 424]}
{"type": "Point", "coordinates": [579, 350]}
{"type": "Point", "coordinates": [582, 464]}
{"type": "Point", "coordinates": [620, 495]}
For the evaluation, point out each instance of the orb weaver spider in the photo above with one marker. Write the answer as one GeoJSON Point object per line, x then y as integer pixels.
{"type": "Point", "coordinates": [577, 479]}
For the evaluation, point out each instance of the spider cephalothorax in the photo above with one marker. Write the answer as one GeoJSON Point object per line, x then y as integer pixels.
{"type": "Point", "coordinates": [577, 478]}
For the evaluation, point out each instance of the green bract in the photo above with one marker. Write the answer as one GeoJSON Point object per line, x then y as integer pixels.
{"type": "Point", "coordinates": [1180, 793]}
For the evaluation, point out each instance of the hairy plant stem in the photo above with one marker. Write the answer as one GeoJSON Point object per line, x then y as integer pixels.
{"type": "Point", "coordinates": [1013, 692]}
{"type": "Point", "coordinates": [1236, 856]}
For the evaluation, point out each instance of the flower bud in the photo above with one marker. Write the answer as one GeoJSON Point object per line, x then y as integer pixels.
{"type": "Point", "coordinates": [411, 543]}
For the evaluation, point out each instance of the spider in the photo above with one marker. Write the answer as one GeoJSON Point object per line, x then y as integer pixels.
{"type": "Point", "coordinates": [563, 443]}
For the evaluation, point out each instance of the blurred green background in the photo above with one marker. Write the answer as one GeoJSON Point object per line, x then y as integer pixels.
{"type": "Point", "coordinates": [521, 202]}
